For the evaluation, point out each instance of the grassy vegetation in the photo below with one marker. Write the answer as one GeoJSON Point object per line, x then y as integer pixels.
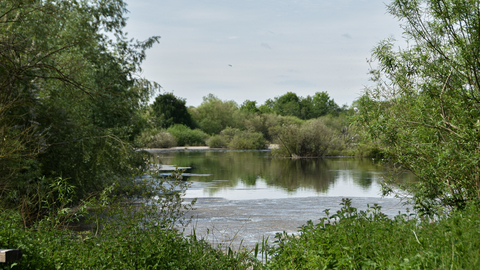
{"type": "Point", "coordinates": [122, 233]}
{"type": "Point", "coordinates": [352, 239]}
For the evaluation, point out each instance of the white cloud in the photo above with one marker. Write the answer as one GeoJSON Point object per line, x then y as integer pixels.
{"type": "Point", "coordinates": [305, 46]}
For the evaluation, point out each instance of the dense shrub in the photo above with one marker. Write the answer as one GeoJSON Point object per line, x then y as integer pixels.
{"type": "Point", "coordinates": [247, 140]}
{"type": "Point", "coordinates": [352, 239]}
{"type": "Point", "coordinates": [265, 123]}
{"type": "Point", "coordinates": [312, 139]}
{"type": "Point", "coordinates": [126, 234]}
{"type": "Point", "coordinates": [169, 110]}
{"type": "Point", "coordinates": [186, 136]}
{"type": "Point", "coordinates": [368, 149]}
{"type": "Point", "coordinates": [228, 134]}
{"type": "Point", "coordinates": [234, 138]}
{"type": "Point", "coordinates": [216, 141]}
{"type": "Point", "coordinates": [214, 115]}
{"type": "Point", "coordinates": [155, 138]}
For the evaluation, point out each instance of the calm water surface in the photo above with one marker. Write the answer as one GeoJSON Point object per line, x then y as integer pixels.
{"type": "Point", "coordinates": [243, 175]}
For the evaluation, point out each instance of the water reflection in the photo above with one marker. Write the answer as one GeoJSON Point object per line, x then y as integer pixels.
{"type": "Point", "coordinates": [218, 171]}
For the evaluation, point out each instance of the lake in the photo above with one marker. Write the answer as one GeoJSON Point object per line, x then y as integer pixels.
{"type": "Point", "coordinates": [243, 175]}
{"type": "Point", "coordinates": [246, 195]}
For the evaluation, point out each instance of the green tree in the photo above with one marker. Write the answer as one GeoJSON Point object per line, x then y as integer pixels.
{"type": "Point", "coordinates": [425, 108]}
{"type": "Point", "coordinates": [70, 100]}
{"type": "Point", "coordinates": [267, 107]}
{"type": "Point", "coordinates": [287, 105]}
{"type": "Point", "coordinates": [323, 105]}
{"type": "Point", "coordinates": [170, 110]}
{"type": "Point", "coordinates": [214, 115]}
{"type": "Point", "coordinates": [249, 106]}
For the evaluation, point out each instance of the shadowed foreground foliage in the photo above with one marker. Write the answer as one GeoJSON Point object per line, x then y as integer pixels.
{"type": "Point", "coordinates": [117, 233]}
{"type": "Point", "coordinates": [349, 239]}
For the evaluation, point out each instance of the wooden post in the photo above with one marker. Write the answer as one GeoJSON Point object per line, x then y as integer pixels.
{"type": "Point", "coordinates": [10, 255]}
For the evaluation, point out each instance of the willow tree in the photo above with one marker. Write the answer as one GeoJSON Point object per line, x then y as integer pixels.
{"type": "Point", "coordinates": [69, 95]}
{"type": "Point", "coordinates": [425, 107]}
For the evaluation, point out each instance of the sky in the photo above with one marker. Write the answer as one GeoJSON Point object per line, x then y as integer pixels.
{"type": "Point", "coordinates": [260, 49]}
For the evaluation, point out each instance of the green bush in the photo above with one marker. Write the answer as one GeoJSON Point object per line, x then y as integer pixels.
{"type": "Point", "coordinates": [368, 149]}
{"type": "Point", "coordinates": [312, 139]}
{"type": "Point", "coordinates": [246, 140]}
{"type": "Point", "coordinates": [234, 138]}
{"type": "Point", "coordinates": [214, 115]}
{"type": "Point", "coordinates": [155, 138]}
{"type": "Point", "coordinates": [265, 123]}
{"type": "Point", "coordinates": [186, 136]}
{"type": "Point", "coordinates": [216, 141]}
{"type": "Point", "coordinates": [352, 239]}
{"type": "Point", "coordinates": [125, 234]}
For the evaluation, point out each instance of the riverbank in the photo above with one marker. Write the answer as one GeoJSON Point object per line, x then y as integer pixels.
{"type": "Point", "coordinates": [197, 148]}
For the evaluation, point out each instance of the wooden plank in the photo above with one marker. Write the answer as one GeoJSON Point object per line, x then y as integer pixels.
{"type": "Point", "coordinates": [10, 255]}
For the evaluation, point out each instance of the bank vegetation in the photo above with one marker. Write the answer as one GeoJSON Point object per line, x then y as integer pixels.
{"type": "Point", "coordinates": [74, 113]}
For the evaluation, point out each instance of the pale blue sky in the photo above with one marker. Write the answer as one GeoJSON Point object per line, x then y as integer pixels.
{"type": "Point", "coordinates": [260, 49]}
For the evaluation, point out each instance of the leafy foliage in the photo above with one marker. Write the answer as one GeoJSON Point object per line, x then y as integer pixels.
{"type": "Point", "coordinates": [425, 108]}
{"type": "Point", "coordinates": [70, 101]}
{"type": "Point", "coordinates": [155, 138]}
{"type": "Point", "coordinates": [234, 138]}
{"type": "Point", "coordinates": [170, 110]}
{"type": "Point", "coordinates": [214, 115]}
{"type": "Point", "coordinates": [186, 136]}
{"type": "Point", "coordinates": [309, 107]}
{"type": "Point", "coordinates": [352, 239]}
{"type": "Point", "coordinates": [249, 106]}
{"type": "Point", "coordinates": [314, 138]}
{"type": "Point", "coordinates": [126, 233]}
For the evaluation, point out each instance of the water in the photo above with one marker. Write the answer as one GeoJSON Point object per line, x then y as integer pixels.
{"type": "Point", "coordinates": [246, 175]}
{"type": "Point", "coordinates": [247, 196]}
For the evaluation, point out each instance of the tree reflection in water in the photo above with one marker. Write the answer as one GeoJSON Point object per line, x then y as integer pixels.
{"type": "Point", "coordinates": [234, 168]}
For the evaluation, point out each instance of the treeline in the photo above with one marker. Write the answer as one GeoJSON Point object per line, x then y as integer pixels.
{"type": "Point", "coordinates": [311, 126]}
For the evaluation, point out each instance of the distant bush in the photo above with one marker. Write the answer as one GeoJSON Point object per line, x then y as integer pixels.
{"type": "Point", "coordinates": [156, 138]}
{"type": "Point", "coordinates": [234, 138]}
{"type": "Point", "coordinates": [247, 140]}
{"type": "Point", "coordinates": [216, 141]}
{"type": "Point", "coordinates": [186, 136]}
{"type": "Point", "coordinates": [265, 123]}
{"type": "Point", "coordinates": [312, 139]}
{"type": "Point", "coordinates": [214, 115]}
{"type": "Point", "coordinates": [228, 134]}
{"type": "Point", "coordinates": [369, 149]}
